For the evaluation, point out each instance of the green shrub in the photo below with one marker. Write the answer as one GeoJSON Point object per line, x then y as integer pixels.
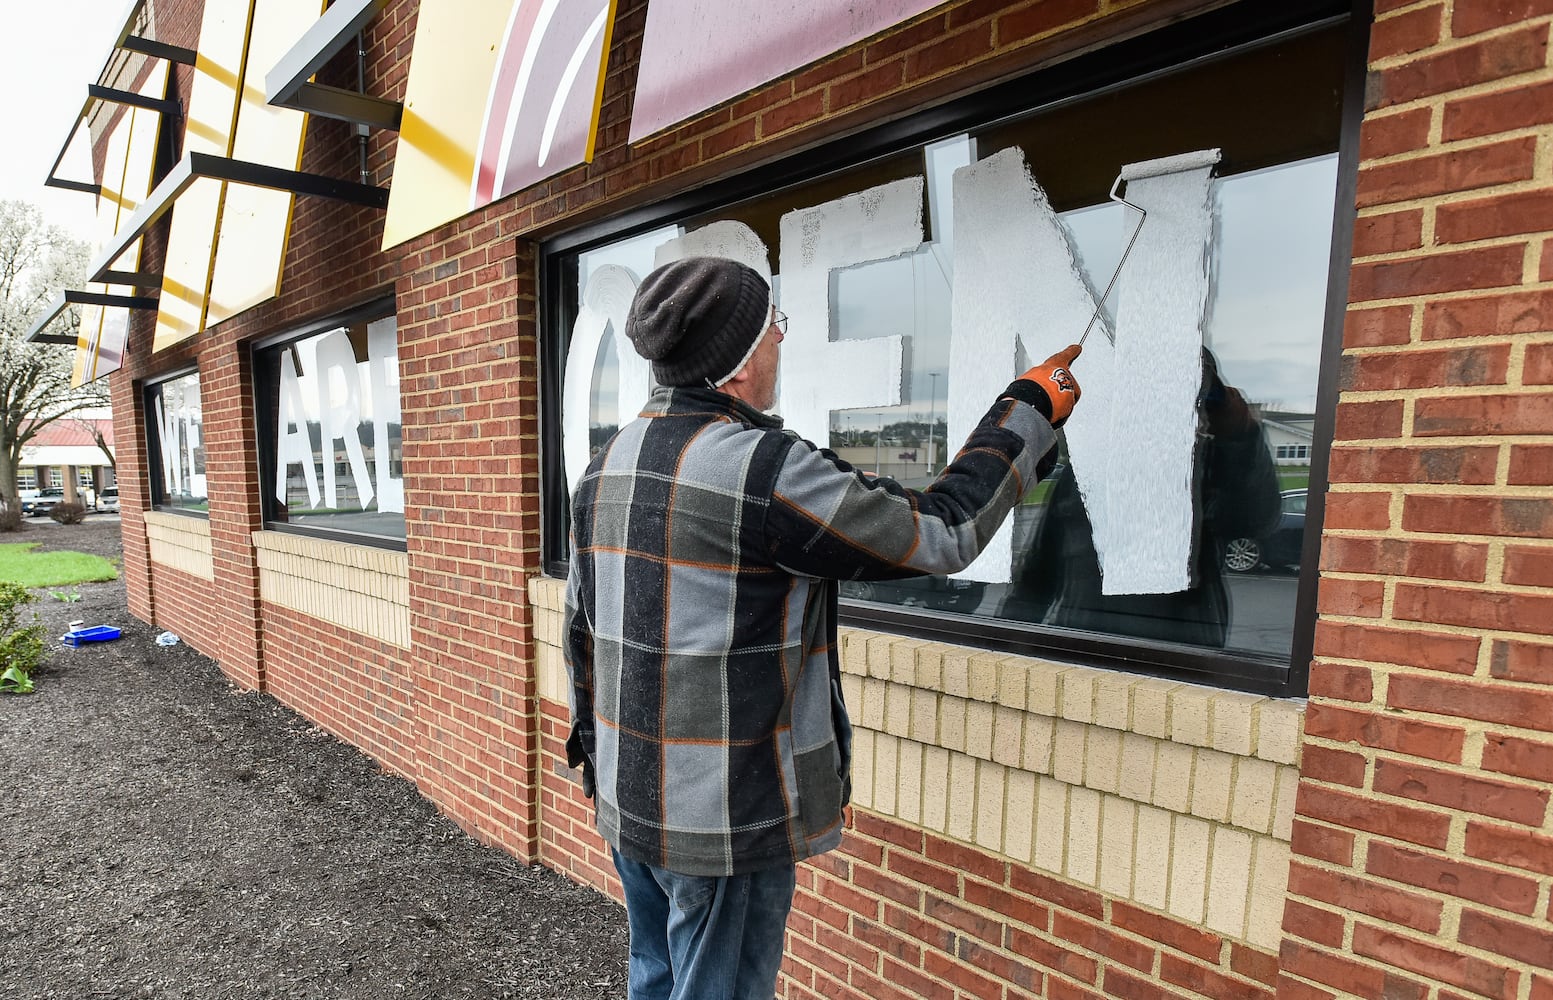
{"type": "Point", "coordinates": [21, 646]}
{"type": "Point", "coordinates": [69, 512]}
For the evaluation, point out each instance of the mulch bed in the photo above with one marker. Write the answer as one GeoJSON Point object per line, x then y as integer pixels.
{"type": "Point", "coordinates": [164, 834]}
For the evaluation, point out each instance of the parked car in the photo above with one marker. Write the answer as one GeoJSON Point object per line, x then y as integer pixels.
{"type": "Point", "coordinates": [42, 501]}
{"type": "Point", "coordinates": [108, 499]}
{"type": "Point", "coordinates": [1279, 548]}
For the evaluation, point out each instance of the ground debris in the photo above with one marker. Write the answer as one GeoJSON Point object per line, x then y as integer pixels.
{"type": "Point", "coordinates": [169, 835]}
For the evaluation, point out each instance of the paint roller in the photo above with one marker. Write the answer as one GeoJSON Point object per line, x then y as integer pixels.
{"type": "Point", "coordinates": [1179, 163]}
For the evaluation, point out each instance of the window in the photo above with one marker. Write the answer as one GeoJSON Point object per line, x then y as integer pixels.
{"type": "Point", "coordinates": [177, 450]}
{"type": "Point", "coordinates": [330, 441]}
{"type": "Point", "coordinates": [919, 282]}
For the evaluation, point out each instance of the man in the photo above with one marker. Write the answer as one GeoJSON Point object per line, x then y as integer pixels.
{"type": "Point", "coordinates": [700, 628]}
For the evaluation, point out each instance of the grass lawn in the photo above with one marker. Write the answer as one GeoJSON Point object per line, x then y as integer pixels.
{"type": "Point", "coordinates": [19, 564]}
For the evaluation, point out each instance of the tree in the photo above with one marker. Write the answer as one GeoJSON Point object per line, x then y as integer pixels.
{"type": "Point", "coordinates": [37, 261]}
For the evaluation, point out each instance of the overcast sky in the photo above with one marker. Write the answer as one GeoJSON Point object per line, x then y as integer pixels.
{"type": "Point", "coordinates": [49, 53]}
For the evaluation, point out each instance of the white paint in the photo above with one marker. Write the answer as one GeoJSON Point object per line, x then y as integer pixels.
{"type": "Point", "coordinates": [1149, 507]}
{"type": "Point", "coordinates": [295, 446]}
{"type": "Point", "coordinates": [1015, 281]}
{"type": "Point", "coordinates": [178, 425]}
{"type": "Point", "coordinates": [606, 301]}
{"type": "Point", "coordinates": [383, 384]}
{"type": "Point", "coordinates": [339, 399]}
{"type": "Point", "coordinates": [733, 240]}
{"type": "Point", "coordinates": [820, 374]}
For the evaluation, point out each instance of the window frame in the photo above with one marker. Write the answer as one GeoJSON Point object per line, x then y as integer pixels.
{"type": "Point", "coordinates": [154, 468]}
{"type": "Point", "coordinates": [378, 307]}
{"type": "Point", "coordinates": [1127, 63]}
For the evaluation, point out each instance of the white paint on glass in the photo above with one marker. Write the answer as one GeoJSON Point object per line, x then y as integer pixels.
{"type": "Point", "coordinates": [383, 385]}
{"type": "Point", "coordinates": [606, 300]}
{"type": "Point", "coordinates": [295, 446]}
{"type": "Point", "coordinates": [820, 374]}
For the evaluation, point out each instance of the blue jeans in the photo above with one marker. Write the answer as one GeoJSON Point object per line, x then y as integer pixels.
{"type": "Point", "coordinates": [697, 937]}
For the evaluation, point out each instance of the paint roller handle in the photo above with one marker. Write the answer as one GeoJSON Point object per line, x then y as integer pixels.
{"type": "Point", "coordinates": [1050, 386]}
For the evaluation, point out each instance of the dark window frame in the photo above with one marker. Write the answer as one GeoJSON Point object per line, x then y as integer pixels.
{"type": "Point", "coordinates": [149, 389]}
{"type": "Point", "coordinates": [378, 307]}
{"type": "Point", "coordinates": [1125, 64]}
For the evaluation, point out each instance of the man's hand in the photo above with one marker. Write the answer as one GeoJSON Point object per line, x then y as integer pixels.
{"type": "Point", "coordinates": [1055, 390]}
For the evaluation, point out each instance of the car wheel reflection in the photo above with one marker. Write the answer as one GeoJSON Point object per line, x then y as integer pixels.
{"type": "Point", "coordinates": [1242, 555]}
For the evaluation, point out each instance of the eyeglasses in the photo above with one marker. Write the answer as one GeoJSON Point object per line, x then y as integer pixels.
{"type": "Point", "coordinates": [779, 320]}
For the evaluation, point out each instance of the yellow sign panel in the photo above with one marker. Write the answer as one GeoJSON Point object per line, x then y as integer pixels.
{"type": "Point", "coordinates": [226, 243]}
{"type": "Point", "coordinates": [127, 166]}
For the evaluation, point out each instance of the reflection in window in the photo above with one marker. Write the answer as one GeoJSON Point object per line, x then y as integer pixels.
{"type": "Point", "coordinates": [177, 428]}
{"type": "Point", "coordinates": [331, 431]}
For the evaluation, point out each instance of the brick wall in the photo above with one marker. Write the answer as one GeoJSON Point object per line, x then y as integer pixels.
{"type": "Point", "coordinates": [1424, 841]}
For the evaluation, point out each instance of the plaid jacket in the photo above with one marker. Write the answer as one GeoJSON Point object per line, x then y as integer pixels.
{"type": "Point", "coordinates": [700, 631]}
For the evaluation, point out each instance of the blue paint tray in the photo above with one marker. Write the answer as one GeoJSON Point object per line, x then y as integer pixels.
{"type": "Point", "coordinates": [97, 633]}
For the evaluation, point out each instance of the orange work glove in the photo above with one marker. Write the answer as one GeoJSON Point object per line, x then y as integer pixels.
{"type": "Point", "coordinates": [1050, 386]}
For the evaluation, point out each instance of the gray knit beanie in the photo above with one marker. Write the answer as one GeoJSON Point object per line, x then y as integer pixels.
{"type": "Point", "coordinates": [698, 319]}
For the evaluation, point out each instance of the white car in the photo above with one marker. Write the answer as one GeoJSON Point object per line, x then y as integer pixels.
{"type": "Point", "coordinates": [108, 499]}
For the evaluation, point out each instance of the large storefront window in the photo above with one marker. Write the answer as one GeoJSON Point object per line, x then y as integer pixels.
{"type": "Point", "coordinates": [1171, 535]}
{"type": "Point", "coordinates": [177, 451]}
{"type": "Point", "coordinates": [330, 438]}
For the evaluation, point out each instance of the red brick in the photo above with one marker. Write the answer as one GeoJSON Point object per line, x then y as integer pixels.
{"type": "Point", "coordinates": [1336, 767]}
{"type": "Point", "coordinates": [1465, 793]}
{"type": "Point", "coordinates": [1451, 877]}
{"type": "Point", "coordinates": [1524, 517]}
{"type": "Point", "coordinates": [1389, 135]}
{"type": "Point", "coordinates": [876, 82]}
{"type": "Point", "coordinates": [1313, 924]}
{"type": "Point", "coordinates": [1129, 987]}
{"type": "Point", "coordinates": [918, 929]}
{"type": "Point", "coordinates": [1253, 964]}
{"type": "Point", "coordinates": [1475, 609]}
{"type": "Point", "coordinates": [1516, 660]}
{"type": "Point", "coordinates": [1209, 982]}
{"type": "Point", "coordinates": [798, 112]}
{"type": "Point", "coordinates": [1511, 214]}
{"type": "Point", "coordinates": [1322, 843]}
{"type": "Point", "coordinates": [1496, 315]}
{"type": "Point", "coordinates": [1166, 931]}
{"type": "Point", "coordinates": [948, 912]}
{"type": "Point", "coordinates": [1510, 938]}
{"type": "Point", "coordinates": [933, 876]}
{"type": "Point", "coordinates": [1406, 557]}
{"type": "Point", "coordinates": [962, 976]}
{"type": "Point", "coordinates": [1095, 938]}
{"type": "Point", "coordinates": [1527, 566]}
{"type": "Point", "coordinates": [1495, 58]}
{"type": "Point", "coordinates": [1469, 17]}
{"type": "Point", "coordinates": [957, 856]}
{"type": "Point", "coordinates": [1541, 988]}
{"type": "Point", "coordinates": [1355, 894]}
{"type": "Point", "coordinates": [1485, 415]}
{"type": "Point", "coordinates": [949, 52]}
{"type": "Point", "coordinates": [1358, 511]}
{"type": "Point", "coordinates": [1385, 731]}
{"type": "Point", "coordinates": [1363, 812]}
{"type": "Point", "coordinates": [1530, 709]}
{"type": "Point", "coordinates": [1062, 894]}
{"type": "Point", "coordinates": [1043, 18]}
{"type": "Point", "coordinates": [1356, 598]}
{"type": "Point", "coordinates": [1455, 654]}
{"type": "Point", "coordinates": [1010, 970]}
{"type": "Point", "coordinates": [1053, 956]}
{"type": "Point", "coordinates": [1454, 172]}
{"type": "Point", "coordinates": [1012, 906]}
{"type": "Point", "coordinates": [1339, 680]}
{"type": "Point", "coordinates": [1382, 419]}
{"type": "Point", "coordinates": [1385, 326]}
{"type": "Point", "coordinates": [1438, 273]}
{"type": "Point", "coordinates": [1520, 757]}
{"type": "Point", "coordinates": [1342, 973]}
{"type": "Point", "coordinates": [1290, 988]}
{"type": "Point", "coordinates": [1461, 465]}
{"type": "Point", "coordinates": [1531, 465]}
{"type": "Point", "coordinates": [1429, 369]}
{"type": "Point", "coordinates": [1407, 32]}
{"type": "Point", "coordinates": [1389, 233]}
{"type": "Point", "coordinates": [1508, 846]}
{"type": "Point", "coordinates": [1539, 358]}
{"type": "Point", "coordinates": [1430, 960]}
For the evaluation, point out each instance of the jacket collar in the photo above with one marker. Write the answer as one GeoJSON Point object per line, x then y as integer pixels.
{"type": "Point", "coordinates": [689, 399]}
